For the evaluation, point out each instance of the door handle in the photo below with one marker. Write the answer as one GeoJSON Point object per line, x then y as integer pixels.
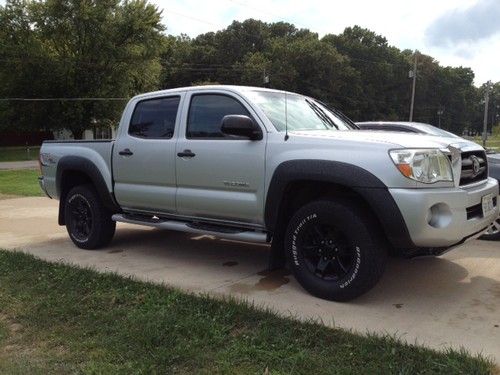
{"type": "Point", "coordinates": [126, 152]}
{"type": "Point", "coordinates": [186, 154]}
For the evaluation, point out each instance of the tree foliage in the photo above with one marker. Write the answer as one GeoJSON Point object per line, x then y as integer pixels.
{"type": "Point", "coordinates": [113, 48]}
{"type": "Point", "coordinates": [76, 49]}
{"type": "Point", "coordinates": [357, 71]}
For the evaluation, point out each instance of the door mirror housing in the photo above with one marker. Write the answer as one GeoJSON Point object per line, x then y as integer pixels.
{"type": "Point", "coordinates": [241, 126]}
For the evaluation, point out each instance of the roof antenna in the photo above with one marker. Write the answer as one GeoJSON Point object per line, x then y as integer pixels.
{"type": "Point", "coordinates": [286, 118]}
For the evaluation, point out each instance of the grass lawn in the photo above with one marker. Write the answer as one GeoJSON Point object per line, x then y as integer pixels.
{"type": "Point", "coordinates": [60, 319]}
{"type": "Point", "coordinates": [20, 182]}
{"type": "Point", "coordinates": [493, 142]}
{"type": "Point", "coordinates": [18, 153]}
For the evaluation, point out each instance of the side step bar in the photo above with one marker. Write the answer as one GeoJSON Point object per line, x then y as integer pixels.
{"type": "Point", "coordinates": [230, 233]}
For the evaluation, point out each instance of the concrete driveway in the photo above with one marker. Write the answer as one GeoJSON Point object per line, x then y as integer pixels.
{"type": "Point", "coordinates": [28, 164]}
{"type": "Point", "coordinates": [453, 300]}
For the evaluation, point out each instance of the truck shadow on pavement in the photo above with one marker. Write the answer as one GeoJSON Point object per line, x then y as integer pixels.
{"type": "Point", "coordinates": [420, 281]}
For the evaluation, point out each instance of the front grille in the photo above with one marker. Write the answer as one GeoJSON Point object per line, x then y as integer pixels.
{"type": "Point", "coordinates": [474, 167]}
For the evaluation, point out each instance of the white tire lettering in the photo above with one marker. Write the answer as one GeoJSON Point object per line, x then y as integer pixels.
{"type": "Point", "coordinates": [295, 234]}
{"type": "Point", "coordinates": [356, 269]}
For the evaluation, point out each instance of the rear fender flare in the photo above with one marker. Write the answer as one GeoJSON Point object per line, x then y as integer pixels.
{"type": "Point", "coordinates": [88, 169]}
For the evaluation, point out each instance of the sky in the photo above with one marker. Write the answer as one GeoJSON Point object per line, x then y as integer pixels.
{"type": "Point", "coordinates": [454, 32]}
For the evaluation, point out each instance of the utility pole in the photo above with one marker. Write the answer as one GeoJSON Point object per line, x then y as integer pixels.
{"type": "Point", "coordinates": [485, 120]}
{"type": "Point", "coordinates": [265, 79]}
{"type": "Point", "coordinates": [413, 74]}
{"type": "Point", "coordinates": [440, 113]}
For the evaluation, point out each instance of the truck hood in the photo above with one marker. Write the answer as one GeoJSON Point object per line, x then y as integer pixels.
{"type": "Point", "coordinates": [395, 139]}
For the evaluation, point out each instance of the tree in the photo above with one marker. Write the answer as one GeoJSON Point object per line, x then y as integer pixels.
{"type": "Point", "coordinates": [493, 116]}
{"type": "Point", "coordinates": [77, 49]}
{"type": "Point", "coordinates": [382, 73]}
{"type": "Point", "coordinates": [113, 48]}
{"type": "Point", "coordinates": [307, 65]}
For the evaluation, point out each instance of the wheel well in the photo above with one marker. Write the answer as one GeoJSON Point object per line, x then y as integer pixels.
{"type": "Point", "coordinates": [70, 179]}
{"type": "Point", "coordinates": [299, 193]}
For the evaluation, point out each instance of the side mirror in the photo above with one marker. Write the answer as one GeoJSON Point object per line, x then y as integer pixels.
{"type": "Point", "coordinates": [241, 126]}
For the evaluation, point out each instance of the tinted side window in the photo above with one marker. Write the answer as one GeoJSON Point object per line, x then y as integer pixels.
{"type": "Point", "coordinates": [206, 113]}
{"type": "Point", "coordinates": [154, 118]}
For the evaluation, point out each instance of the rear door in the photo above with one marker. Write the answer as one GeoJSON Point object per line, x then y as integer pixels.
{"type": "Point", "coordinates": [144, 156]}
{"type": "Point", "coordinates": [219, 177]}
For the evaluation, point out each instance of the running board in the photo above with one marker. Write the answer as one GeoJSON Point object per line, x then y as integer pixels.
{"type": "Point", "coordinates": [230, 233]}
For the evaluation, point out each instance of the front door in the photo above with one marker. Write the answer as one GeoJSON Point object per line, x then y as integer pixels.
{"type": "Point", "coordinates": [219, 177]}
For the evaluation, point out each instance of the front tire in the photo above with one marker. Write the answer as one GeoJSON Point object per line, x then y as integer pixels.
{"type": "Point", "coordinates": [88, 222]}
{"type": "Point", "coordinates": [334, 249]}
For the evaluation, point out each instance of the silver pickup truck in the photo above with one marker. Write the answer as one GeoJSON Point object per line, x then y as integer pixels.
{"type": "Point", "coordinates": [261, 165]}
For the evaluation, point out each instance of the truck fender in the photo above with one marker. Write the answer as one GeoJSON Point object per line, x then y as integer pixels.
{"type": "Point", "coordinates": [365, 184]}
{"type": "Point", "coordinates": [89, 170]}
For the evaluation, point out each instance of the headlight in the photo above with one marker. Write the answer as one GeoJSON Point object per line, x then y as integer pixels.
{"type": "Point", "coordinates": [424, 165]}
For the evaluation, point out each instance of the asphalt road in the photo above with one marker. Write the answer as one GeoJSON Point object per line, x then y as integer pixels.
{"type": "Point", "coordinates": [453, 300]}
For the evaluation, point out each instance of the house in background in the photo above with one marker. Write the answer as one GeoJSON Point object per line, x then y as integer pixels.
{"type": "Point", "coordinates": [16, 138]}
{"type": "Point", "coordinates": [89, 134]}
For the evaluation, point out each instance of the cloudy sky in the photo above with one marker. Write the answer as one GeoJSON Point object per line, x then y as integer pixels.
{"type": "Point", "coordinates": [455, 32]}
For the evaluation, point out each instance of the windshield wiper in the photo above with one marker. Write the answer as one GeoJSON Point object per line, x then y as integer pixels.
{"type": "Point", "coordinates": [340, 114]}
{"type": "Point", "coordinates": [322, 115]}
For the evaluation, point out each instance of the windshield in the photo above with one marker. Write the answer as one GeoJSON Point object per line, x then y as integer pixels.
{"type": "Point", "coordinates": [432, 130]}
{"type": "Point", "coordinates": [301, 112]}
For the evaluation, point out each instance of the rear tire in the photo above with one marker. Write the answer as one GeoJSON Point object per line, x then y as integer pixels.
{"type": "Point", "coordinates": [334, 249]}
{"type": "Point", "coordinates": [88, 222]}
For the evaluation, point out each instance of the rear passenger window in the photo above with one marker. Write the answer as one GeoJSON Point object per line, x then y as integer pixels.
{"type": "Point", "coordinates": [154, 118]}
{"type": "Point", "coordinates": [206, 113]}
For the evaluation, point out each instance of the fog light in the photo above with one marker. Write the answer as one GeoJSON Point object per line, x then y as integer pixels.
{"type": "Point", "coordinates": [439, 215]}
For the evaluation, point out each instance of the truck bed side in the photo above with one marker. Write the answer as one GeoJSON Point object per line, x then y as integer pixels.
{"type": "Point", "coordinates": [68, 163]}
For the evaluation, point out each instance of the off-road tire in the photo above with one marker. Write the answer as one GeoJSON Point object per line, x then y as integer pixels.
{"type": "Point", "coordinates": [84, 202]}
{"type": "Point", "coordinates": [356, 229]}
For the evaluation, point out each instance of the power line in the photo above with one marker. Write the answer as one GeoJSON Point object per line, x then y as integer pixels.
{"type": "Point", "coordinates": [59, 99]}
{"type": "Point", "coordinates": [185, 66]}
{"type": "Point", "coordinates": [262, 11]}
{"type": "Point", "coordinates": [243, 4]}
{"type": "Point", "coordinates": [190, 17]}
{"type": "Point", "coordinates": [167, 63]}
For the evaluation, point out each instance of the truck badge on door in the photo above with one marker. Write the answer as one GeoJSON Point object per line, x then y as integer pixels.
{"type": "Point", "coordinates": [236, 184]}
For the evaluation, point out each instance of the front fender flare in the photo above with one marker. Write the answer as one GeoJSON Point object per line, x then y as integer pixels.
{"type": "Point", "coordinates": [359, 180]}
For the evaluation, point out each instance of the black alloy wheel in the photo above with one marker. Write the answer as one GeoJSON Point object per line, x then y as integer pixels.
{"type": "Point", "coordinates": [80, 220]}
{"type": "Point", "coordinates": [327, 252]}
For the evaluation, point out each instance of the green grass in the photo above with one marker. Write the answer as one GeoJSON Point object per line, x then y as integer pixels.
{"type": "Point", "coordinates": [19, 153]}
{"type": "Point", "coordinates": [20, 182]}
{"type": "Point", "coordinates": [59, 319]}
{"type": "Point", "coordinates": [493, 142]}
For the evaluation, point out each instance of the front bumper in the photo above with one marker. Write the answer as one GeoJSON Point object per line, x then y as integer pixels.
{"type": "Point", "coordinates": [445, 217]}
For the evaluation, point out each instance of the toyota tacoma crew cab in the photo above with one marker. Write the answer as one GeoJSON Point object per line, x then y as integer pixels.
{"type": "Point", "coordinates": [260, 165]}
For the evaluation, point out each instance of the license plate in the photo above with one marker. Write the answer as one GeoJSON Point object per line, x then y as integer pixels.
{"type": "Point", "coordinates": [487, 202]}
